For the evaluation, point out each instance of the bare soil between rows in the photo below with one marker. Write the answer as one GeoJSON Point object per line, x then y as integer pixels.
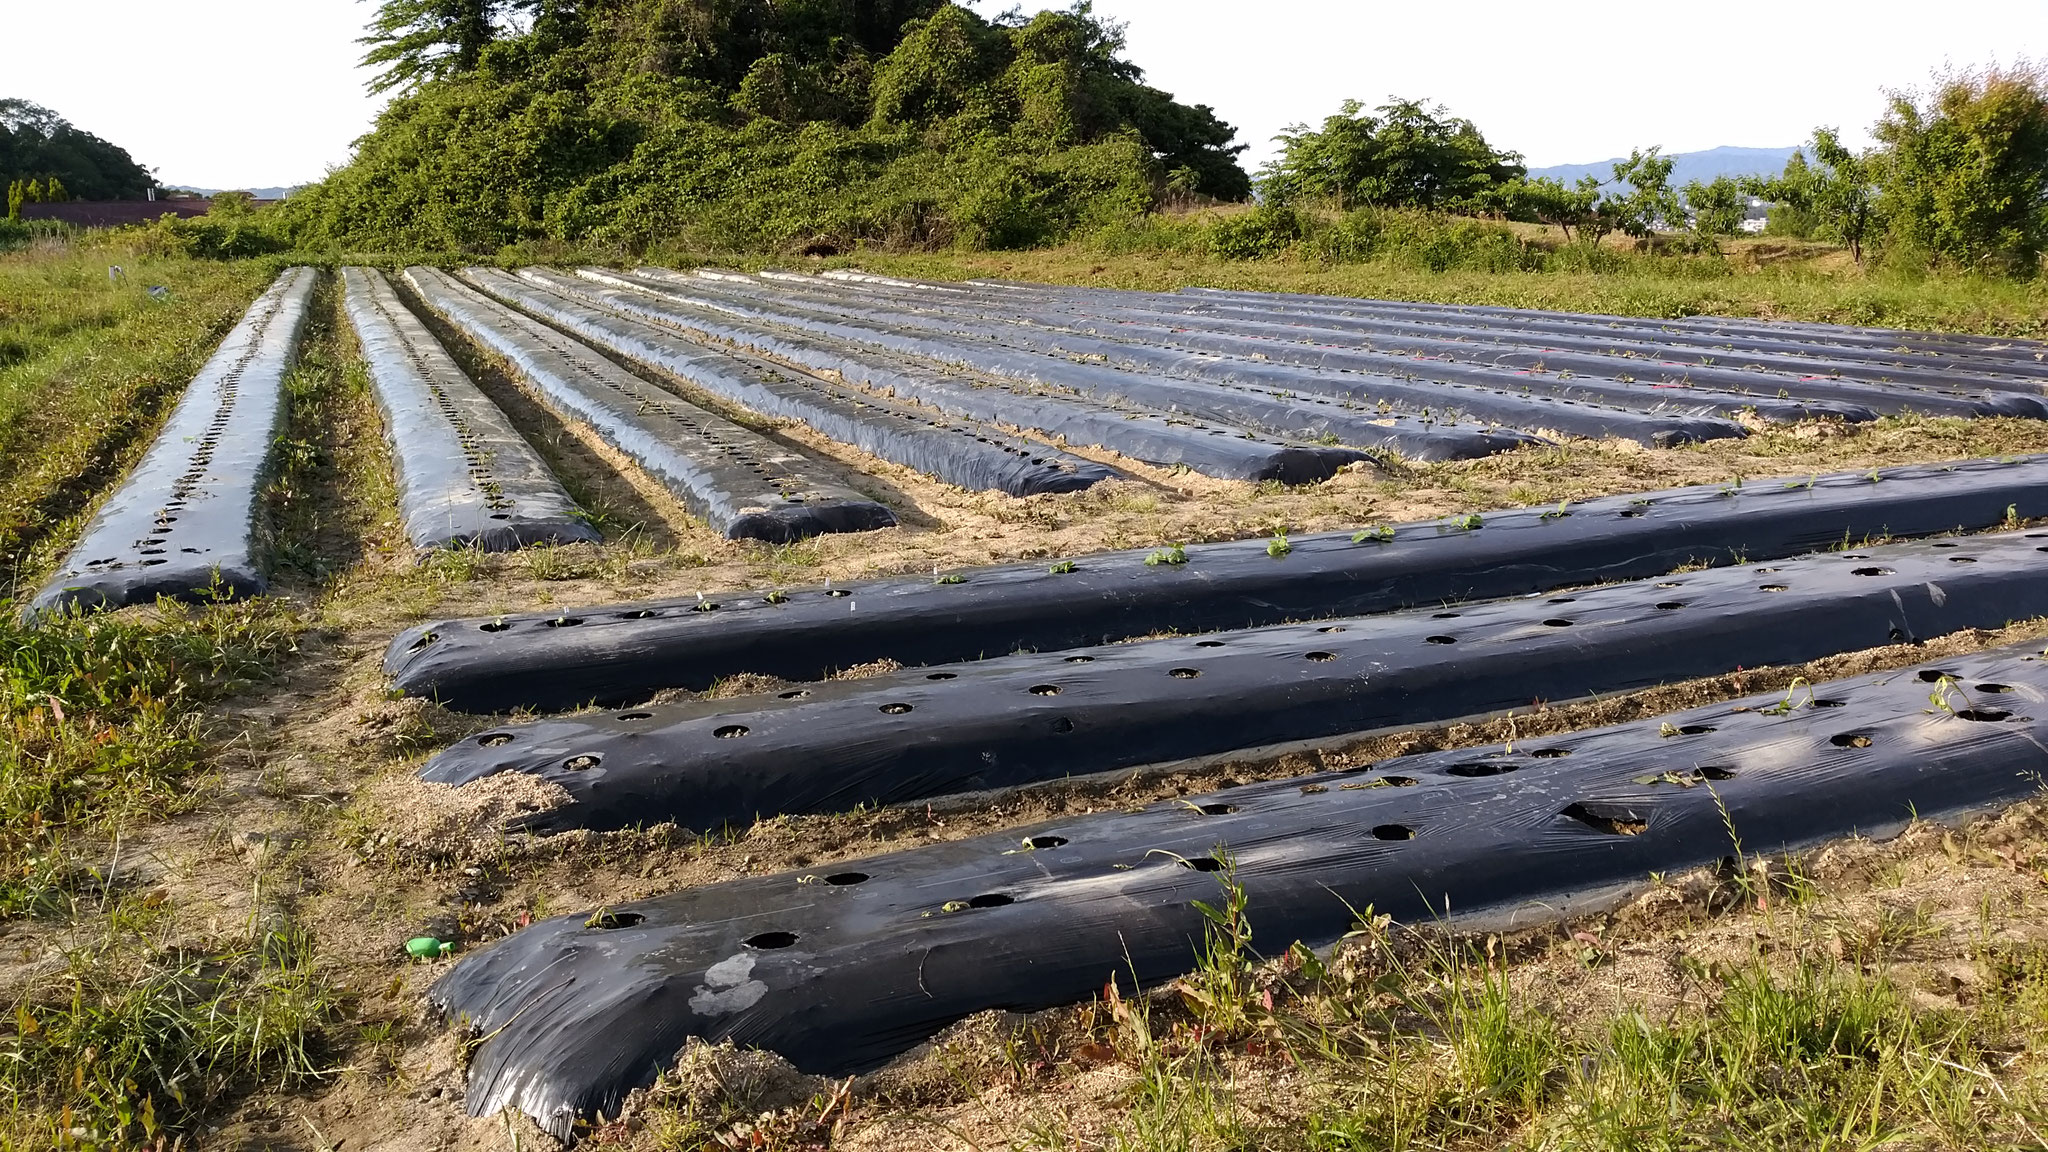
{"type": "Point", "coordinates": [312, 810]}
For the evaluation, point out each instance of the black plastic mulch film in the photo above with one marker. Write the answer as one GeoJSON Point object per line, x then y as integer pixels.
{"type": "Point", "coordinates": [1309, 401]}
{"type": "Point", "coordinates": [1265, 398]}
{"type": "Point", "coordinates": [1015, 720]}
{"type": "Point", "coordinates": [845, 965]}
{"type": "Point", "coordinates": [620, 654]}
{"type": "Point", "coordinates": [1438, 338]}
{"type": "Point", "coordinates": [465, 477]}
{"type": "Point", "coordinates": [741, 483]}
{"type": "Point", "coordinates": [1991, 354]}
{"type": "Point", "coordinates": [957, 452]}
{"type": "Point", "coordinates": [1828, 381]}
{"type": "Point", "coordinates": [1224, 450]}
{"type": "Point", "coordinates": [183, 523]}
{"type": "Point", "coordinates": [1740, 350]}
{"type": "Point", "coordinates": [1361, 371]}
{"type": "Point", "coordinates": [1311, 319]}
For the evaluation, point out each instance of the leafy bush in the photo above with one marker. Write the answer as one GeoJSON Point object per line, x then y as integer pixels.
{"type": "Point", "coordinates": [1964, 178]}
{"type": "Point", "coordinates": [232, 236]}
{"type": "Point", "coordinates": [1409, 155]}
{"type": "Point", "coordinates": [763, 126]}
{"type": "Point", "coordinates": [1267, 230]}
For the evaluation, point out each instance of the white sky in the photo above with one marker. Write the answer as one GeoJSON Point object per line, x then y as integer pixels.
{"type": "Point", "coordinates": [244, 93]}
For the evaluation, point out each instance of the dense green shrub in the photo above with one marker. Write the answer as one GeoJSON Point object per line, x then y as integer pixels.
{"type": "Point", "coordinates": [750, 125]}
{"type": "Point", "coordinates": [1408, 155]}
{"type": "Point", "coordinates": [1267, 230]}
{"type": "Point", "coordinates": [1964, 178]}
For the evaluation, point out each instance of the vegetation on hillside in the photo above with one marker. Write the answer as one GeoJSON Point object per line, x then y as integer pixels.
{"type": "Point", "coordinates": [757, 125]}
{"type": "Point", "coordinates": [39, 147]}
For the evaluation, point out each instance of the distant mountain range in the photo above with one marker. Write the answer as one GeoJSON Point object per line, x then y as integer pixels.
{"type": "Point", "coordinates": [259, 193]}
{"type": "Point", "coordinates": [1686, 166]}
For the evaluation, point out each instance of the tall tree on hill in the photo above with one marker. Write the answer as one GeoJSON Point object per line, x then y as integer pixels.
{"type": "Point", "coordinates": [1408, 155]}
{"type": "Point", "coordinates": [1836, 194]}
{"type": "Point", "coordinates": [36, 143]}
{"type": "Point", "coordinates": [414, 41]}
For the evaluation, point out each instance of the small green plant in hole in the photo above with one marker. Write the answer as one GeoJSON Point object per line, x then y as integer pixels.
{"type": "Point", "coordinates": [1558, 513]}
{"type": "Point", "coordinates": [1061, 568]}
{"type": "Point", "coordinates": [1470, 522]}
{"type": "Point", "coordinates": [1278, 545]}
{"type": "Point", "coordinates": [951, 578]}
{"type": "Point", "coordinates": [1171, 554]}
{"type": "Point", "coordinates": [778, 596]}
{"type": "Point", "coordinates": [1377, 534]}
{"type": "Point", "coordinates": [1791, 701]}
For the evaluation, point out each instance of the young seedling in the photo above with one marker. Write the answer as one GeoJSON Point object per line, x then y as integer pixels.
{"type": "Point", "coordinates": [1470, 522]}
{"type": "Point", "coordinates": [2012, 515]}
{"type": "Point", "coordinates": [1791, 701]}
{"type": "Point", "coordinates": [1557, 513]}
{"type": "Point", "coordinates": [1378, 534]}
{"type": "Point", "coordinates": [778, 596]}
{"type": "Point", "coordinates": [1061, 568]}
{"type": "Point", "coordinates": [1278, 545]}
{"type": "Point", "coordinates": [1171, 554]}
{"type": "Point", "coordinates": [1939, 697]}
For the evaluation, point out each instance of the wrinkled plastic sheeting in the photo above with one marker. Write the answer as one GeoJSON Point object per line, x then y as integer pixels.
{"type": "Point", "coordinates": [844, 965]}
{"type": "Point", "coordinates": [965, 454]}
{"type": "Point", "coordinates": [871, 350]}
{"type": "Point", "coordinates": [744, 485]}
{"type": "Point", "coordinates": [1022, 719]}
{"type": "Point", "coordinates": [1797, 361]}
{"type": "Point", "coordinates": [183, 523]}
{"type": "Point", "coordinates": [1998, 354]}
{"type": "Point", "coordinates": [1294, 399]}
{"type": "Point", "coordinates": [622, 653]}
{"type": "Point", "coordinates": [1224, 450]}
{"type": "Point", "coordinates": [1510, 363]}
{"type": "Point", "coordinates": [1808, 377]}
{"type": "Point", "coordinates": [465, 477]}
{"type": "Point", "coordinates": [1365, 373]}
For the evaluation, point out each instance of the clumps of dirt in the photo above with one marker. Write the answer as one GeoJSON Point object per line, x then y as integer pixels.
{"type": "Point", "coordinates": [408, 725]}
{"type": "Point", "coordinates": [729, 1094]}
{"type": "Point", "coordinates": [416, 818]}
{"type": "Point", "coordinates": [745, 1079]}
{"type": "Point", "coordinates": [865, 671]}
{"type": "Point", "coordinates": [744, 684]}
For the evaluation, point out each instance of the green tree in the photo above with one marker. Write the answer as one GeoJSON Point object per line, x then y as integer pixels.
{"type": "Point", "coordinates": [1408, 155]}
{"type": "Point", "coordinates": [1835, 195]}
{"type": "Point", "coordinates": [1648, 202]}
{"type": "Point", "coordinates": [750, 124]}
{"type": "Point", "coordinates": [413, 41]}
{"type": "Point", "coordinates": [16, 193]}
{"type": "Point", "coordinates": [1715, 209]}
{"type": "Point", "coordinates": [54, 191]}
{"type": "Point", "coordinates": [1965, 177]}
{"type": "Point", "coordinates": [35, 140]}
{"type": "Point", "coordinates": [34, 192]}
{"type": "Point", "coordinates": [1544, 200]}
